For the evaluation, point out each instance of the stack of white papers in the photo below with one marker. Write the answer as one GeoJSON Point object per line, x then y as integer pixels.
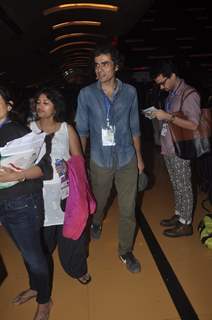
{"type": "Point", "coordinates": [149, 112]}
{"type": "Point", "coordinates": [21, 153]}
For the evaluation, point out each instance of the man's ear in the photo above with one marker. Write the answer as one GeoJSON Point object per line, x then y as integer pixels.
{"type": "Point", "coordinates": [116, 68]}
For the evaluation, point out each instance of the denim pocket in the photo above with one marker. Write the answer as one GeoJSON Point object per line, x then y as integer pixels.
{"type": "Point", "coordinates": [20, 203]}
{"type": "Point", "coordinates": [26, 209]}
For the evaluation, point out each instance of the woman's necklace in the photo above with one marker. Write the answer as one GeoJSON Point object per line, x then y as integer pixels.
{"type": "Point", "coordinates": [50, 128]}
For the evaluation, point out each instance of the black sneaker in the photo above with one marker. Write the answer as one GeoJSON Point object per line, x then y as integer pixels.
{"type": "Point", "coordinates": [133, 265]}
{"type": "Point", "coordinates": [96, 230]}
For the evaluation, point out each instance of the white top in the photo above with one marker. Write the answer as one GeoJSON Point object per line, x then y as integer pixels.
{"type": "Point", "coordinates": [52, 188]}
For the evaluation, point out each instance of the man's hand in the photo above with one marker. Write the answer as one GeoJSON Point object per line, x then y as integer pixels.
{"type": "Point", "coordinates": [140, 165]}
{"type": "Point", "coordinates": [161, 115]}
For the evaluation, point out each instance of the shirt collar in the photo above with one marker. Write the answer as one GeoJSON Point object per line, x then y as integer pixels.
{"type": "Point", "coordinates": [178, 88]}
{"type": "Point", "coordinates": [118, 87]}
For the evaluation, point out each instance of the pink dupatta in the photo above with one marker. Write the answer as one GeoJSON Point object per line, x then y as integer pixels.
{"type": "Point", "coordinates": [80, 202]}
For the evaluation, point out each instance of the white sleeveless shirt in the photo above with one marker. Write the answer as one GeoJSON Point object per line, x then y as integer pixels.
{"type": "Point", "coordinates": [52, 188]}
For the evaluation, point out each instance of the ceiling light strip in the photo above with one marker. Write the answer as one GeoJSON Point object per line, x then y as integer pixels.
{"type": "Point", "coordinates": [78, 35]}
{"type": "Point", "coordinates": [77, 23]}
{"type": "Point", "coordinates": [77, 53]}
{"type": "Point", "coordinates": [73, 6]}
{"type": "Point", "coordinates": [69, 66]}
{"type": "Point", "coordinates": [85, 50]}
{"type": "Point", "coordinates": [77, 61]}
{"type": "Point", "coordinates": [78, 43]}
{"type": "Point", "coordinates": [73, 59]}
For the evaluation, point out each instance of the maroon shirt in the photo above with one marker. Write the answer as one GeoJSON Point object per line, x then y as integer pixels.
{"type": "Point", "coordinates": [190, 107]}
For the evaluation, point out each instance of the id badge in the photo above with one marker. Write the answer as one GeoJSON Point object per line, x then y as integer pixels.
{"type": "Point", "coordinates": [108, 136]}
{"type": "Point", "coordinates": [61, 169]}
{"type": "Point", "coordinates": [164, 129]}
{"type": "Point", "coordinates": [64, 189]}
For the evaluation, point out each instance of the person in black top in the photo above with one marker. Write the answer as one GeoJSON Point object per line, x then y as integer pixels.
{"type": "Point", "coordinates": [21, 212]}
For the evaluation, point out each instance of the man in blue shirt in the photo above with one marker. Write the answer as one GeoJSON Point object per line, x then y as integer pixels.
{"type": "Point", "coordinates": [107, 113]}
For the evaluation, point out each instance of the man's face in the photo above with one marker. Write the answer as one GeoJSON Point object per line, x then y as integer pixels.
{"type": "Point", "coordinates": [165, 83]}
{"type": "Point", "coordinates": [105, 68]}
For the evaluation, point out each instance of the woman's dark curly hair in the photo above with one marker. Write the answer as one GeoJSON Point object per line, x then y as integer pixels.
{"type": "Point", "coordinates": [57, 99]}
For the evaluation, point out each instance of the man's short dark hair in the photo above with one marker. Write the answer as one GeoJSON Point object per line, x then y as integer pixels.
{"type": "Point", "coordinates": [108, 49]}
{"type": "Point", "coordinates": [166, 68]}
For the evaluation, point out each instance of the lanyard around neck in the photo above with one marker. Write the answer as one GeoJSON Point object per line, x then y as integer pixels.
{"type": "Point", "coordinates": [107, 105]}
{"type": "Point", "coordinates": [171, 95]}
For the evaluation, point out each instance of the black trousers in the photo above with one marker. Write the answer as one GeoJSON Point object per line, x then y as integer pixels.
{"type": "Point", "coordinates": [72, 253]}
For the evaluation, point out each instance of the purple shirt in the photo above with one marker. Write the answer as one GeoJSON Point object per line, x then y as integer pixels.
{"type": "Point", "coordinates": [190, 107]}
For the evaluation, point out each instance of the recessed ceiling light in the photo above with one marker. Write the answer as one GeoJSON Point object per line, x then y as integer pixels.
{"type": "Point", "coordinates": [79, 34]}
{"type": "Point", "coordinates": [72, 6]}
{"type": "Point", "coordinates": [77, 23]}
{"type": "Point", "coordinates": [76, 50]}
{"type": "Point", "coordinates": [78, 43]}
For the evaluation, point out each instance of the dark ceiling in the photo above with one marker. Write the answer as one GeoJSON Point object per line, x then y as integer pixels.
{"type": "Point", "coordinates": [28, 39]}
{"type": "Point", "coordinates": [32, 52]}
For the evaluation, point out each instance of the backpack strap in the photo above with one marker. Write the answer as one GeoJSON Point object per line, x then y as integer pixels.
{"type": "Point", "coordinates": [185, 94]}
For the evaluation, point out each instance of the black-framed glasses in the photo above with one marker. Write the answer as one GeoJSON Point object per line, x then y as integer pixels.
{"type": "Point", "coordinates": [162, 83]}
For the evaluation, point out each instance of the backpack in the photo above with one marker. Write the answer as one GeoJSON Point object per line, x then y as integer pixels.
{"type": "Point", "coordinates": [205, 230]}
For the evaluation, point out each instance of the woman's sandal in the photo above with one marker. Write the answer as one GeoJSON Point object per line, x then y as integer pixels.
{"type": "Point", "coordinates": [24, 296]}
{"type": "Point", "coordinates": [85, 279]}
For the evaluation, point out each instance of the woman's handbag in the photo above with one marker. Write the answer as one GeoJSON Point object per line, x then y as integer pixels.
{"type": "Point", "coordinates": [191, 144]}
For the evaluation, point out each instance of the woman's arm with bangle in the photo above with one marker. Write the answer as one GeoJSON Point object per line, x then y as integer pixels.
{"type": "Point", "coordinates": [8, 175]}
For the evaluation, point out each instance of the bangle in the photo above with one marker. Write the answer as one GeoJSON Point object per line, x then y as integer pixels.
{"type": "Point", "coordinates": [23, 178]}
{"type": "Point", "coordinates": [172, 118]}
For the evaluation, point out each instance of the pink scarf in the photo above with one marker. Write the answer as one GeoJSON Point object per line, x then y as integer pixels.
{"type": "Point", "coordinates": [80, 202]}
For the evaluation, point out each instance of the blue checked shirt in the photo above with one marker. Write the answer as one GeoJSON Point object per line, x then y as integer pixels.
{"type": "Point", "coordinates": [91, 117]}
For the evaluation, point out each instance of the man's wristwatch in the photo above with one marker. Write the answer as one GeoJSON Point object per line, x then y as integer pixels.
{"type": "Point", "coordinates": [172, 118]}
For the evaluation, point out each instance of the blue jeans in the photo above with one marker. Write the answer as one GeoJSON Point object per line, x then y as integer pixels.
{"type": "Point", "coordinates": [22, 218]}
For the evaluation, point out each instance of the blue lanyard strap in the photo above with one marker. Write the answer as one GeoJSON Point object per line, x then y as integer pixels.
{"type": "Point", "coordinates": [169, 102]}
{"type": "Point", "coordinates": [169, 98]}
{"type": "Point", "coordinates": [107, 104]}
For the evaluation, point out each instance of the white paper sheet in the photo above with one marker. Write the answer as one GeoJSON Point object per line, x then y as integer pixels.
{"type": "Point", "coordinates": [21, 153]}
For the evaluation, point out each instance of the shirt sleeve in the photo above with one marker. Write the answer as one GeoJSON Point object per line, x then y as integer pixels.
{"type": "Point", "coordinates": [191, 107]}
{"type": "Point", "coordinates": [134, 116]}
{"type": "Point", "coordinates": [81, 118]}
